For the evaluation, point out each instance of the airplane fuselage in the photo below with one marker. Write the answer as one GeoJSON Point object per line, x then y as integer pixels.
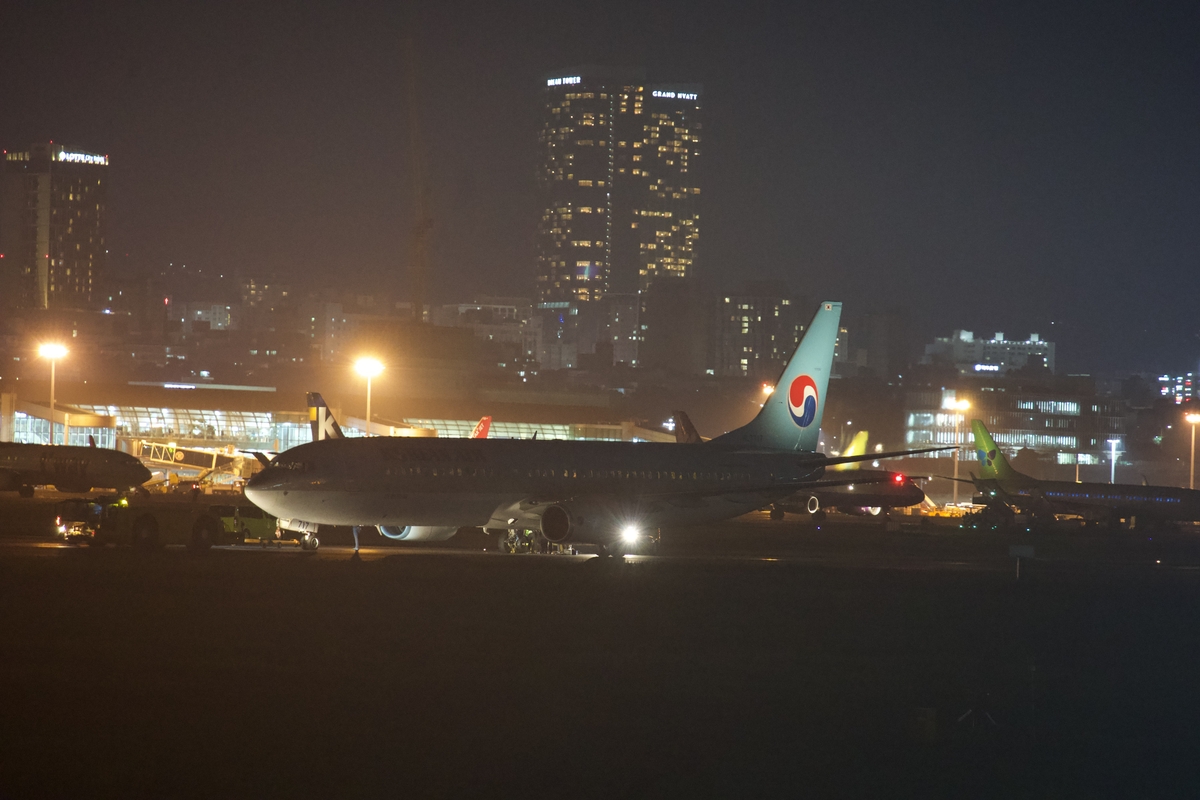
{"type": "Point", "coordinates": [68, 468]}
{"type": "Point", "coordinates": [1066, 497]}
{"type": "Point", "coordinates": [851, 498]}
{"type": "Point", "coordinates": [509, 484]}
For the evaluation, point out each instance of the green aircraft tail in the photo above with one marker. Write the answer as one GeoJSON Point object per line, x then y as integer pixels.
{"type": "Point", "coordinates": [992, 463]}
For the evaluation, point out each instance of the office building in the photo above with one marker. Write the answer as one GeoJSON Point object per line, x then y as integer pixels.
{"type": "Point", "coordinates": [995, 356]}
{"type": "Point", "coordinates": [1062, 418]}
{"type": "Point", "coordinates": [52, 226]}
{"type": "Point", "coordinates": [1180, 388]}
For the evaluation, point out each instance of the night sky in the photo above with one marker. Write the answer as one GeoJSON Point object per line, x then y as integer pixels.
{"type": "Point", "coordinates": [992, 166]}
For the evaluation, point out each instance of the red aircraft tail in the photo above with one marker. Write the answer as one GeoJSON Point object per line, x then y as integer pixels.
{"type": "Point", "coordinates": [481, 429]}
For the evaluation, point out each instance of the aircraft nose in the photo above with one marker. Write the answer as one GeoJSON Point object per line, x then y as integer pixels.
{"type": "Point", "coordinates": [261, 496]}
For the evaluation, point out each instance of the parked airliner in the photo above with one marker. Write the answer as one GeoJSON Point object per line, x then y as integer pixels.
{"type": "Point", "coordinates": [67, 468]}
{"type": "Point", "coordinates": [1151, 505]}
{"type": "Point", "coordinates": [575, 492]}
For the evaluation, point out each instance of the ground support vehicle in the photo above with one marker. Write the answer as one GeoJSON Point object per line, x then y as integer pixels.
{"type": "Point", "coordinates": [76, 520]}
{"type": "Point", "coordinates": [524, 542]}
{"type": "Point", "coordinates": [527, 541]}
{"type": "Point", "coordinates": [150, 523]}
{"type": "Point", "coordinates": [246, 522]}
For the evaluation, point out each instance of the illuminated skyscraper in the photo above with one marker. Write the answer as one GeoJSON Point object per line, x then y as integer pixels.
{"type": "Point", "coordinates": [617, 182]}
{"type": "Point", "coordinates": [663, 147]}
{"type": "Point", "coordinates": [52, 226]}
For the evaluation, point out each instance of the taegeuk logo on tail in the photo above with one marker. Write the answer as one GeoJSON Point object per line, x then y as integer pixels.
{"type": "Point", "coordinates": [802, 401]}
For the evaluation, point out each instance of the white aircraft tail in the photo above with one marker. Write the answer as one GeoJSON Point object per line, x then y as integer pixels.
{"type": "Point", "coordinates": [321, 420]}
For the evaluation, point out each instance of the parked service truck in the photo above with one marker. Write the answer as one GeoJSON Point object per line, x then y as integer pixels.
{"type": "Point", "coordinates": [150, 523]}
{"type": "Point", "coordinates": [147, 523]}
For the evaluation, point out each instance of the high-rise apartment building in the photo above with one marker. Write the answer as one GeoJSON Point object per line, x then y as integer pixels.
{"type": "Point", "coordinates": [758, 327]}
{"type": "Point", "coordinates": [618, 184]}
{"type": "Point", "coordinates": [52, 226]}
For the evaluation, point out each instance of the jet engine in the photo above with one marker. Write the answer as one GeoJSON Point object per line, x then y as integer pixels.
{"type": "Point", "coordinates": [813, 505]}
{"type": "Point", "coordinates": [555, 524]}
{"type": "Point", "coordinates": [417, 533]}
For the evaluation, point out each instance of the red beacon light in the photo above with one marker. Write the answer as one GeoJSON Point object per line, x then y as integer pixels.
{"type": "Point", "coordinates": [898, 478]}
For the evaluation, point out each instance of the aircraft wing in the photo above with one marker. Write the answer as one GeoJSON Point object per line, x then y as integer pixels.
{"type": "Point", "coordinates": [883, 456]}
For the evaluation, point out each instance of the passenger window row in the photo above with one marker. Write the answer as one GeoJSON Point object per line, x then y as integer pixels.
{"type": "Point", "coordinates": [612, 474]}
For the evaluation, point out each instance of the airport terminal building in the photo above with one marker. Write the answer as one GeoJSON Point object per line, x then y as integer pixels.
{"type": "Point", "coordinates": [254, 418]}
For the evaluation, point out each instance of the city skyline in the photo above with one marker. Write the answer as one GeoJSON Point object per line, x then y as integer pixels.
{"type": "Point", "coordinates": [914, 159]}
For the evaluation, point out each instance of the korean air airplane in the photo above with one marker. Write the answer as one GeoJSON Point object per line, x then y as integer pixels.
{"type": "Point", "coordinates": [571, 492]}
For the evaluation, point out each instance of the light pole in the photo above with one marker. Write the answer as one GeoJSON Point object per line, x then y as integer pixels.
{"type": "Point", "coordinates": [368, 368]}
{"type": "Point", "coordinates": [1112, 475]}
{"type": "Point", "coordinates": [960, 407]}
{"type": "Point", "coordinates": [1192, 419]}
{"type": "Point", "coordinates": [53, 352]}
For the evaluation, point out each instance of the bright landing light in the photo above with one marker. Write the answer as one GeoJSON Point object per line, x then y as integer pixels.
{"type": "Point", "coordinates": [629, 534]}
{"type": "Point", "coordinates": [368, 367]}
{"type": "Point", "coordinates": [52, 351]}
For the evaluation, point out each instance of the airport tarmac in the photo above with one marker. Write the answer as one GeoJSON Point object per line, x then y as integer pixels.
{"type": "Point", "coordinates": [749, 658]}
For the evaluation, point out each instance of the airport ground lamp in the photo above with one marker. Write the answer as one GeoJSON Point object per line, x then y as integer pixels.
{"type": "Point", "coordinates": [1192, 419]}
{"type": "Point", "coordinates": [52, 353]}
{"type": "Point", "coordinates": [959, 407]}
{"type": "Point", "coordinates": [369, 368]}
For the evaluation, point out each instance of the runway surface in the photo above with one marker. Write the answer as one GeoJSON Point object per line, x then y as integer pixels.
{"type": "Point", "coordinates": [748, 659]}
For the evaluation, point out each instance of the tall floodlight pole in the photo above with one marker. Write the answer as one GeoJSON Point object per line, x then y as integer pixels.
{"type": "Point", "coordinates": [1112, 475]}
{"type": "Point", "coordinates": [369, 368]}
{"type": "Point", "coordinates": [1192, 419]}
{"type": "Point", "coordinates": [959, 407]}
{"type": "Point", "coordinates": [53, 352]}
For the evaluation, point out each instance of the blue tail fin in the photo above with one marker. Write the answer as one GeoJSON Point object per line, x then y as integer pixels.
{"type": "Point", "coordinates": [791, 417]}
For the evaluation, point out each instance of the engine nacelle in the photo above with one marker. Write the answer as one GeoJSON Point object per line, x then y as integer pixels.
{"type": "Point", "coordinates": [417, 533]}
{"type": "Point", "coordinates": [813, 505]}
{"type": "Point", "coordinates": [556, 524]}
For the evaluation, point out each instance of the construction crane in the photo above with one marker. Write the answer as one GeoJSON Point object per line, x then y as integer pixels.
{"type": "Point", "coordinates": [423, 227]}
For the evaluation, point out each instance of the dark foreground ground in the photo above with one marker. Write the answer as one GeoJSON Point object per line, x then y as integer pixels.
{"type": "Point", "coordinates": [858, 663]}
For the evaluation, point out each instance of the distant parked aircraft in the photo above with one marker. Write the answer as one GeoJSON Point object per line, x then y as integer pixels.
{"type": "Point", "coordinates": [1104, 502]}
{"type": "Point", "coordinates": [67, 468]}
